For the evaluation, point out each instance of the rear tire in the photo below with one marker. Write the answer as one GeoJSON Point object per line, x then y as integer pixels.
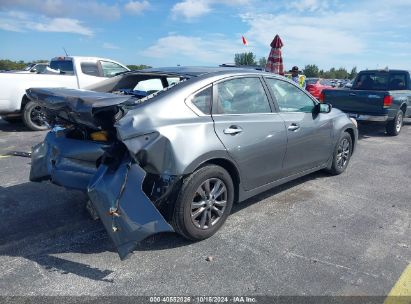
{"type": "Point", "coordinates": [394, 126]}
{"type": "Point", "coordinates": [342, 154]}
{"type": "Point", "coordinates": [204, 203]}
{"type": "Point", "coordinates": [33, 117]}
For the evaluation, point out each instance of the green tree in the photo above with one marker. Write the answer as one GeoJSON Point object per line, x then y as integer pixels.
{"type": "Point", "coordinates": [247, 58]}
{"type": "Point", "coordinates": [262, 62]}
{"type": "Point", "coordinates": [353, 73]}
{"type": "Point", "coordinates": [12, 65]}
{"type": "Point", "coordinates": [311, 70]}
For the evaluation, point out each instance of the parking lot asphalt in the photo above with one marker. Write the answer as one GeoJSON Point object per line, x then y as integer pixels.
{"type": "Point", "coordinates": [318, 235]}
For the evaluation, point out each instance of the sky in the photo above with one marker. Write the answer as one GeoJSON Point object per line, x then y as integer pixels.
{"type": "Point", "coordinates": [329, 33]}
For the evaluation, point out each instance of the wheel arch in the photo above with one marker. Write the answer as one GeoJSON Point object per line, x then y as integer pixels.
{"type": "Point", "coordinates": [352, 135]}
{"type": "Point", "coordinates": [24, 101]}
{"type": "Point", "coordinates": [403, 108]}
{"type": "Point", "coordinates": [229, 166]}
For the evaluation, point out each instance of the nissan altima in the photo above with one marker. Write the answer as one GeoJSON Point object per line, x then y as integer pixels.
{"type": "Point", "coordinates": [172, 149]}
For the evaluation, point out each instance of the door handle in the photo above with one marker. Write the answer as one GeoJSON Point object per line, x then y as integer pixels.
{"type": "Point", "coordinates": [352, 94]}
{"type": "Point", "coordinates": [233, 130]}
{"type": "Point", "coordinates": [293, 127]}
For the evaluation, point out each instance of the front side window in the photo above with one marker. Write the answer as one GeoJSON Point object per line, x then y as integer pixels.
{"type": "Point", "coordinates": [289, 97]}
{"type": "Point", "coordinates": [241, 96]}
{"type": "Point", "coordinates": [111, 69]}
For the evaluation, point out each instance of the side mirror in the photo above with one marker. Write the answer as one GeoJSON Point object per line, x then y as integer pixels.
{"type": "Point", "coordinates": [322, 108]}
{"type": "Point", "coordinates": [325, 108]}
{"type": "Point", "coordinates": [33, 71]}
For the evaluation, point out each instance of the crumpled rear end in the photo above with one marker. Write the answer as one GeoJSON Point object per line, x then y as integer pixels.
{"type": "Point", "coordinates": [67, 162]}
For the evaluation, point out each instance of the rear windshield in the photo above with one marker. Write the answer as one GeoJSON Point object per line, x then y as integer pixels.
{"type": "Point", "coordinates": [311, 80]}
{"type": "Point", "coordinates": [65, 66]}
{"type": "Point", "coordinates": [380, 81]}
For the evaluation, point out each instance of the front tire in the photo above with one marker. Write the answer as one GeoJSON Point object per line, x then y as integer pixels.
{"type": "Point", "coordinates": [33, 117]}
{"type": "Point", "coordinates": [204, 203]}
{"type": "Point", "coordinates": [394, 126]}
{"type": "Point", "coordinates": [342, 154]}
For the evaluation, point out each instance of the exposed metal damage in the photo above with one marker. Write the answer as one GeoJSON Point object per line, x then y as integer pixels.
{"type": "Point", "coordinates": [131, 203]}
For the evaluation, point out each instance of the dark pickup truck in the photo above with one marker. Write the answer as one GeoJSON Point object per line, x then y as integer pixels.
{"type": "Point", "coordinates": [376, 95]}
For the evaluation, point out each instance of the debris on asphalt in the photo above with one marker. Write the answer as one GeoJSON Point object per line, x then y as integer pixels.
{"type": "Point", "coordinates": [210, 258]}
{"type": "Point", "coordinates": [19, 153]}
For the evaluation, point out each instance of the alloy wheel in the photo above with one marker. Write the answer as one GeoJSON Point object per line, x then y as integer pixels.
{"type": "Point", "coordinates": [343, 153]}
{"type": "Point", "coordinates": [37, 116]}
{"type": "Point", "coordinates": [398, 125]}
{"type": "Point", "coordinates": [209, 203]}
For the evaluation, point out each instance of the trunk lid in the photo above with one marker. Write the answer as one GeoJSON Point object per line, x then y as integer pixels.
{"type": "Point", "coordinates": [82, 107]}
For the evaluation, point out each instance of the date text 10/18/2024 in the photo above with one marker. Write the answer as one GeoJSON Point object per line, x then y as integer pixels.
{"type": "Point", "coordinates": [202, 299]}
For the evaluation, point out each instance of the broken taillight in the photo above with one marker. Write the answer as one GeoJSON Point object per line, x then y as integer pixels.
{"type": "Point", "coordinates": [388, 101]}
{"type": "Point", "coordinates": [99, 136]}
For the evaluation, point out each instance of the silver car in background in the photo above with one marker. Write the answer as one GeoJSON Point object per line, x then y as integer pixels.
{"type": "Point", "coordinates": [172, 149]}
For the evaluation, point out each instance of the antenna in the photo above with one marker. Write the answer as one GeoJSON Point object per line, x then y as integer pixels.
{"type": "Point", "coordinates": [65, 51]}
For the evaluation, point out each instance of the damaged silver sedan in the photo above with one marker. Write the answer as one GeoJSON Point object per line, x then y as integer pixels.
{"type": "Point", "coordinates": [172, 149]}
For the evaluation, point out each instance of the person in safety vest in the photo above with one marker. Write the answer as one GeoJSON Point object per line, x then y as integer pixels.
{"type": "Point", "coordinates": [299, 79]}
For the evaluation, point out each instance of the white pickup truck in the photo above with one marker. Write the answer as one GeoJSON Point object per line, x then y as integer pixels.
{"type": "Point", "coordinates": [70, 72]}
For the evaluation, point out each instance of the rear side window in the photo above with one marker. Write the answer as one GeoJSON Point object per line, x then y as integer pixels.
{"type": "Point", "coordinates": [397, 82]}
{"type": "Point", "coordinates": [65, 66]}
{"type": "Point", "coordinates": [111, 69]}
{"type": "Point", "coordinates": [241, 96]}
{"type": "Point", "coordinates": [90, 68]}
{"type": "Point", "coordinates": [173, 80]}
{"type": "Point", "coordinates": [149, 85]}
{"type": "Point", "coordinates": [202, 100]}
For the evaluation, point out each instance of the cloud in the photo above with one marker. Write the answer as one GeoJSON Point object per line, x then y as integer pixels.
{"type": "Point", "coordinates": [136, 7]}
{"type": "Point", "coordinates": [310, 5]}
{"type": "Point", "coordinates": [213, 49]}
{"type": "Point", "coordinates": [60, 8]}
{"type": "Point", "coordinates": [63, 25]}
{"type": "Point", "coordinates": [331, 33]}
{"type": "Point", "coordinates": [107, 45]}
{"type": "Point", "coordinates": [21, 22]}
{"type": "Point", "coordinates": [191, 9]}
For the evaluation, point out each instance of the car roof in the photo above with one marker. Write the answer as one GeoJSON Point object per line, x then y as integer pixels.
{"type": "Point", "coordinates": [383, 70]}
{"type": "Point", "coordinates": [193, 71]}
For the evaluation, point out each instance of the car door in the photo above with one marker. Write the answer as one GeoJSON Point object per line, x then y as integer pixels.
{"type": "Point", "coordinates": [253, 134]}
{"type": "Point", "coordinates": [309, 135]}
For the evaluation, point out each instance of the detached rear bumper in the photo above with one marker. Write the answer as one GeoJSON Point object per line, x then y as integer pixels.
{"type": "Point", "coordinates": [66, 162]}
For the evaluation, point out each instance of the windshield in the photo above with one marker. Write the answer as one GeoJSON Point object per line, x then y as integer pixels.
{"type": "Point", "coordinates": [28, 67]}
{"type": "Point", "coordinates": [65, 66]}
